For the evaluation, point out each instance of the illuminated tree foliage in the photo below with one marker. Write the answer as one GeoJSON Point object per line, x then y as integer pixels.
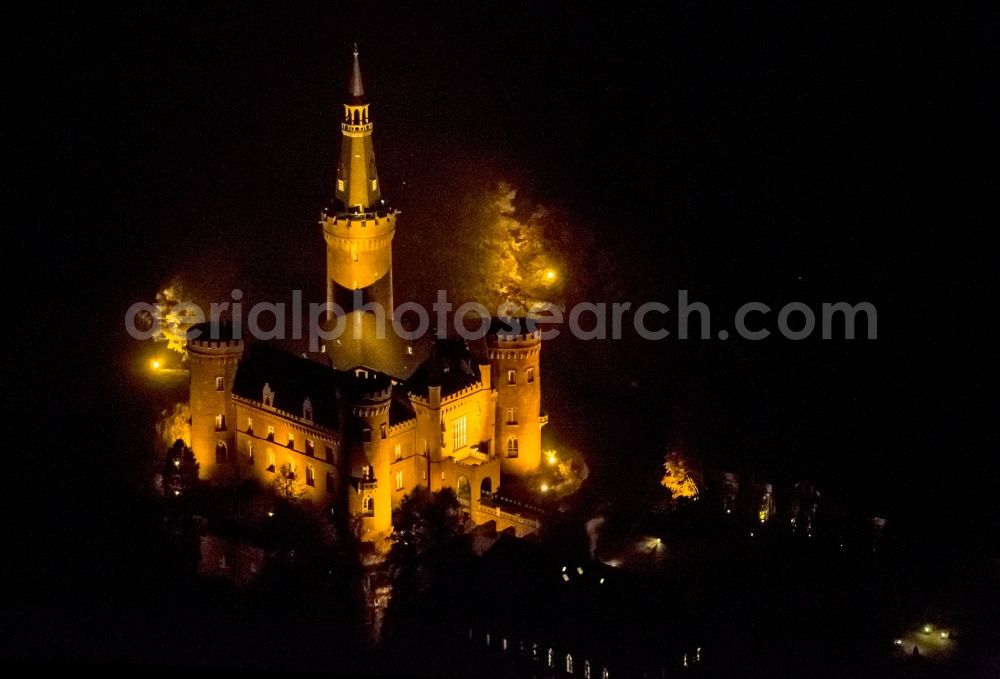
{"type": "Point", "coordinates": [519, 258]}
{"type": "Point", "coordinates": [678, 478]}
{"type": "Point", "coordinates": [175, 424]}
{"type": "Point", "coordinates": [175, 314]}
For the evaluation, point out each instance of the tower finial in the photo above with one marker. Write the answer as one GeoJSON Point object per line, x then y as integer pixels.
{"type": "Point", "coordinates": [357, 87]}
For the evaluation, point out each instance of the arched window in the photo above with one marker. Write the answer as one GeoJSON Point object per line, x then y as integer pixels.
{"type": "Point", "coordinates": [220, 423]}
{"type": "Point", "coordinates": [369, 505]}
{"type": "Point", "coordinates": [307, 410]}
{"type": "Point", "coordinates": [249, 452]}
{"type": "Point", "coordinates": [552, 658]}
{"type": "Point", "coordinates": [221, 452]}
{"type": "Point", "coordinates": [220, 384]}
{"type": "Point", "coordinates": [310, 475]}
{"type": "Point", "coordinates": [569, 664]}
{"type": "Point", "coordinates": [531, 374]}
{"type": "Point", "coordinates": [586, 669]}
{"type": "Point", "coordinates": [512, 446]}
{"type": "Point", "coordinates": [604, 673]}
{"type": "Point", "coordinates": [270, 460]}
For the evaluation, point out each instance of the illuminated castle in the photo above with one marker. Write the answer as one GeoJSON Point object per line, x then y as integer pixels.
{"type": "Point", "coordinates": [381, 416]}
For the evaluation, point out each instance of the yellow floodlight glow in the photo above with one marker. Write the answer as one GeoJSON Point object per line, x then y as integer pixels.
{"type": "Point", "coordinates": [155, 364]}
{"type": "Point", "coordinates": [544, 488]}
{"type": "Point", "coordinates": [550, 275]}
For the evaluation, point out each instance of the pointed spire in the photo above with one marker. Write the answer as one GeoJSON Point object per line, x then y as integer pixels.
{"type": "Point", "coordinates": [357, 87]}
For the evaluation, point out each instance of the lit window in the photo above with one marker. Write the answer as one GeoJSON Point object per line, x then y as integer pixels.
{"type": "Point", "coordinates": [366, 472]}
{"type": "Point", "coordinates": [291, 470]}
{"type": "Point", "coordinates": [219, 384]}
{"type": "Point", "coordinates": [569, 664]}
{"type": "Point", "coordinates": [270, 432]}
{"type": "Point", "coordinates": [604, 673]}
{"type": "Point", "coordinates": [249, 452]}
{"type": "Point", "coordinates": [512, 446]}
{"type": "Point", "coordinates": [531, 374]}
{"type": "Point", "coordinates": [399, 451]}
{"type": "Point", "coordinates": [291, 440]}
{"type": "Point", "coordinates": [340, 184]}
{"type": "Point", "coordinates": [552, 658]}
{"type": "Point", "coordinates": [369, 505]}
{"type": "Point", "coordinates": [310, 448]}
{"type": "Point", "coordinates": [459, 437]}
{"type": "Point", "coordinates": [220, 423]}
{"type": "Point", "coordinates": [249, 425]}
{"type": "Point", "coordinates": [355, 255]}
{"type": "Point", "coordinates": [374, 184]}
{"type": "Point", "coordinates": [511, 415]}
{"type": "Point", "coordinates": [586, 669]}
{"type": "Point", "coordinates": [270, 460]}
{"type": "Point", "coordinates": [511, 377]}
{"type": "Point", "coordinates": [399, 480]}
{"type": "Point", "coordinates": [310, 475]}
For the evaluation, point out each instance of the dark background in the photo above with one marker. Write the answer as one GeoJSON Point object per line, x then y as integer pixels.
{"type": "Point", "coordinates": [780, 153]}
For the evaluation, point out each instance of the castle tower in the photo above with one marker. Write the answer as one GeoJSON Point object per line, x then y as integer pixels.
{"type": "Point", "coordinates": [358, 227]}
{"type": "Point", "coordinates": [213, 357]}
{"type": "Point", "coordinates": [514, 354]}
{"type": "Point", "coordinates": [371, 495]}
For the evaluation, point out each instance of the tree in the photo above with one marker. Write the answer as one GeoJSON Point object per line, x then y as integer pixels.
{"type": "Point", "coordinates": [284, 484]}
{"type": "Point", "coordinates": [180, 470]}
{"type": "Point", "coordinates": [428, 541]}
{"type": "Point", "coordinates": [678, 477]}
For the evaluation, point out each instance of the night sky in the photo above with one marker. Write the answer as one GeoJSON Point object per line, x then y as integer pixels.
{"type": "Point", "coordinates": [785, 153]}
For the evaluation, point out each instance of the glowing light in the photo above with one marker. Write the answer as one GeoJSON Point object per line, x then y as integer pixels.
{"type": "Point", "coordinates": [898, 642]}
{"type": "Point", "coordinates": [177, 492]}
{"type": "Point", "coordinates": [155, 364]}
{"type": "Point", "coordinates": [270, 513]}
{"type": "Point", "coordinates": [601, 582]}
{"type": "Point", "coordinates": [177, 463]}
{"type": "Point", "coordinates": [928, 629]}
{"type": "Point", "coordinates": [552, 458]}
{"type": "Point", "coordinates": [944, 635]}
{"type": "Point", "coordinates": [544, 488]}
{"type": "Point", "coordinates": [565, 577]}
{"type": "Point", "coordinates": [550, 275]}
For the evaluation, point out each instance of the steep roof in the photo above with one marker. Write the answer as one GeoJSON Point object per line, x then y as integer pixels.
{"type": "Point", "coordinates": [451, 366]}
{"type": "Point", "coordinates": [292, 379]}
